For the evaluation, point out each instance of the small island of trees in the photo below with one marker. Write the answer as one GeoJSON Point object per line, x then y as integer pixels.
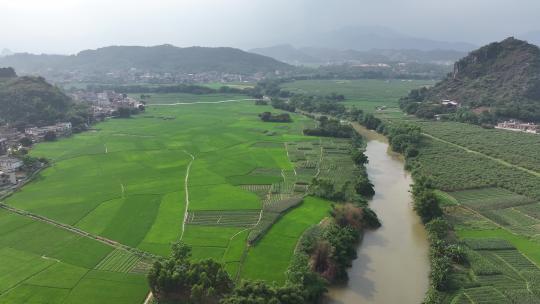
{"type": "Point", "coordinates": [270, 117]}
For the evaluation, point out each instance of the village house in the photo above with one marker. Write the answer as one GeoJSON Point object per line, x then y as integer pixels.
{"type": "Point", "coordinates": [10, 164]}
{"type": "Point", "coordinates": [7, 179]}
{"type": "Point", "coordinates": [10, 134]}
{"type": "Point", "coordinates": [450, 103]}
{"type": "Point", "coordinates": [60, 129]}
{"type": "Point", "coordinates": [514, 125]}
{"type": "Point", "coordinates": [3, 146]}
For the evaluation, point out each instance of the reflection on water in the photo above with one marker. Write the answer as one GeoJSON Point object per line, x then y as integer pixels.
{"type": "Point", "coordinates": [392, 264]}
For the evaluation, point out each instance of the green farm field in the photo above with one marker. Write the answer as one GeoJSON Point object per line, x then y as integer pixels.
{"type": "Point", "coordinates": [126, 181]}
{"type": "Point", "coordinates": [517, 148]}
{"type": "Point", "coordinates": [171, 98]}
{"type": "Point", "coordinates": [366, 94]}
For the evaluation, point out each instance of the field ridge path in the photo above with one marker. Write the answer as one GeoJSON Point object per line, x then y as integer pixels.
{"type": "Point", "coordinates": [188, 169]}
{"type": "Point", "coordinates": [69, 228]}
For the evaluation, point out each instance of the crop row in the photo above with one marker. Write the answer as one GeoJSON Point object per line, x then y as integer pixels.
{"type": "Point", "coordinates": [119, 261]}
{"type": "Point", "coordinates": [238, 218]}
{"type": "Point", "coordinates": [453, 169]}
{"type": "Point", "coordinates": [517, 148]}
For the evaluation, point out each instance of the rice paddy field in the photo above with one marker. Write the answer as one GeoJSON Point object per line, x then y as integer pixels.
{"type": "Point", "coordinates": [234, 179]}
{"type": "Point", "coordinates": [365, 94]}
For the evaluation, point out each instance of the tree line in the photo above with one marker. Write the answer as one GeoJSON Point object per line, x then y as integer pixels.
{"type": "Point", "coordinates": [177, 88]}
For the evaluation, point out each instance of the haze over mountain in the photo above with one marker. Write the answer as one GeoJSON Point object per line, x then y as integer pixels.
{"type": "Point", "coordinates": [316, 56]}
{"type": "Point", "coordinates": [365, 38]}
{"type": "Point", "coordinates": [162, 58]}
{"type": "Point", "coordinates": [66, 27]}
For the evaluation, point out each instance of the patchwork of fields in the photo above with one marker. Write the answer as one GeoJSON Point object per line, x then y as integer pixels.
{"type": "Point", "coordinates": [493, 205]}
{"type": "Point", "coordinates": [126, 181]}
{"type": "Point", "coordinates": [517, 148]}
{"type": "Point", "coordinates": [500, 230]}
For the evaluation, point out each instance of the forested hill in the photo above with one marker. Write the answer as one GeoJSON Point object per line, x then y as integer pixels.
{"type": "Point", "coordinates": [162, 58]}
{"type": "Point", "coordinates": [503, 78]}
{"type": "Point", "coordinates": [32, 101]}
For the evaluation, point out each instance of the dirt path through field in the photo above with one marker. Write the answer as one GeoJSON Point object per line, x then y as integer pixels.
{"type": "Point", "coordinates": [187, 193]}
{"type": "Point", "coordinates": [498, 160]}
{"type": "Point", "coordinates": [66, 227]}
{"type": "Point", "coordinates": [199, 102]}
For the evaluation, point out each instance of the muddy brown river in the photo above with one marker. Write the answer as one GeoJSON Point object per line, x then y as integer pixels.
{"type": "Point", "coordinates": [392, 264]}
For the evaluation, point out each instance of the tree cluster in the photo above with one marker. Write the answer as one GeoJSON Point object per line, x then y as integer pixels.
{"type": "Point", "coordinates": [270, 117]}
{"type": "Point", "coordinates": [330, 128]}
{"type": "Point", "coordinates": [177, 88]}
{"type": "Point", "coordinates": [178, 278]}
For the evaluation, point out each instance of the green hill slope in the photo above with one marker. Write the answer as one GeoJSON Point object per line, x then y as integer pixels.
{"type": "Point", "coordinates": [503, 77]}
{"type": "Point", "coordinates": [162, 58]}
{"type": "Point", "coordinates": [31, 100]}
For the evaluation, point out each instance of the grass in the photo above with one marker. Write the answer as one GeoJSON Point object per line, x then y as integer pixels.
{"type": "Point", "coordinates": [366, 94]}
{"type": "Point", "coordinates": [269, 258]}
{"type": "Point", "coordinates": [44, 264]}
{"type": "Point", "coordinates": [125, 181]}
{"type": "Point", "coordinates": [528, 247]}
{"type": "Point", "coordinates": [169, 98]}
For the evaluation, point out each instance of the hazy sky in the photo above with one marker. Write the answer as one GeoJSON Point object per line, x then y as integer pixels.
{"type": "Point", "coordinates": [68, 26]}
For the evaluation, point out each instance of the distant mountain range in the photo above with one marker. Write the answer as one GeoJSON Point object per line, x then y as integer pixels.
{"type": "Point", "coordinates": [368, 38]}
{"type": "Point", "coordinates": [365, 45]}
{"type": "Point", "coordinates": [317, 56]}
{"type": "Point", "coordinates": [158, 59]}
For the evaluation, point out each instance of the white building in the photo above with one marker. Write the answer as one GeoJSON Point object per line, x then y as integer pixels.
{"type": "Point", "coordinates": [452, 103]}
{"type": "Point", "coordinates": [10, 164]}
{"type": "Point", "coordinates": [61, 129]}
{"type": "Point", "coordinates": [514, 125]}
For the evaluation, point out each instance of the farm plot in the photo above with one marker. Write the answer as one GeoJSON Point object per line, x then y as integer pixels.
{"type": "Point", "coordinates": [454, 169]}
{"type": "Point", "coordinates": [366, 94]}
{"type": "Point", "coordinates": [517, 148]}
{"type": "Point", "coordinates": [501, 273]}
{"type": "Point", "coordinates": [504, 208]}
{"type": "Point", "coordinates": [269, 258]}
{"type": "Point", "coordinates": [119, 261]}
{"type": "Point", "coordinates": [126, 181]}
{"type": "Point", "coordinates": [45, 264]}
{"type": "Point", "coordinates": [240, 218]}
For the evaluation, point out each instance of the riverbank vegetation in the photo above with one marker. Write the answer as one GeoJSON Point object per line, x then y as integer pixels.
{"type": "Point", "coordinates": [463, 268]}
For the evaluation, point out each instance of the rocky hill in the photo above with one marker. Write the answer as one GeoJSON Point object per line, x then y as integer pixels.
{"type": "Point", "coordinates": [502, 78]}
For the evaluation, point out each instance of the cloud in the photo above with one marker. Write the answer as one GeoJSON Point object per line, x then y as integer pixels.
{"type": "Point", "coordinates": [68, 26]}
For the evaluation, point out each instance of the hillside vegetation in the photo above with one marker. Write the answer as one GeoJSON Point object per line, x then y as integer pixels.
{"type": "Point", "coordinates": [162, 58]}
{"type": "Point", "coordinates": [31, 100]}
{"type": "Point", "coordinates": [503, 77]}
